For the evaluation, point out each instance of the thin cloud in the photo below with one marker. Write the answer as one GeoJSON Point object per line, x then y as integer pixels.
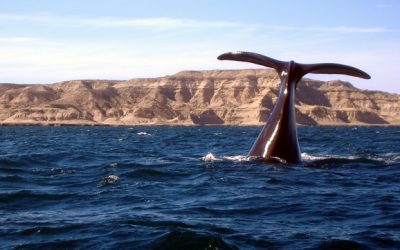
{"type": "Point", "coordinates": [165, 23]}
{"type": "Point", "coordinates": [112, 22]}
{"type": "Point", "coordinates": [162, 22]}
{"type": "Point", "coordinates": [18, 40]}
{"type": "Point", "coordinates": [339, 29]}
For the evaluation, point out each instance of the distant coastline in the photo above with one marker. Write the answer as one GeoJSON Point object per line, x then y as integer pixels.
{"type": "Point", "coordinates": [192, 98]}
{"type": "Point", "coordinates": [83, 124]}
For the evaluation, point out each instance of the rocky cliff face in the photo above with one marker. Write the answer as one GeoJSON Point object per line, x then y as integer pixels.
{"type": "Point", "coordinates": [222, 97]}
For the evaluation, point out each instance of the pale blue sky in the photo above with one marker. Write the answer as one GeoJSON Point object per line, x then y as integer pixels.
{"type": "Point", "coordinates": [45, 41]}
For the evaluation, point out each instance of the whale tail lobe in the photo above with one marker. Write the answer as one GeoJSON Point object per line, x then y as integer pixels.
{"type": "Point", "coordinates": [303, 69]}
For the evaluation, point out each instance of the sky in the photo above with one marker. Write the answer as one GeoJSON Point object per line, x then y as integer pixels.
{"type": "Point", "coordinates": [46, 41]}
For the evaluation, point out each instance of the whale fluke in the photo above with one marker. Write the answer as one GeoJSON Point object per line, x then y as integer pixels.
{"type": "Point", "coordinates": [253, 58]}
{"type": "Point", "coordinates": [278, 139]}
{"type": "Point", "coordinates": [333, 68]}
{"type": "Point", "coordinates": [317, 68]}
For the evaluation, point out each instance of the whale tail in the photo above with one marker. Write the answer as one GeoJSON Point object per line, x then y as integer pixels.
{"type": "Point", "coordinates": [303, 69]}
{"type": "Point", "coordinates": [278, 139]}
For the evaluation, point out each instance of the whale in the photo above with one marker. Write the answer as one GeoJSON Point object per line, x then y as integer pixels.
{"type": "Point", "coordinates": [278, 140]}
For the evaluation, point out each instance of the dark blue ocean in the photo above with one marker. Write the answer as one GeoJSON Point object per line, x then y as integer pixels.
{"type": "Point", "coordinates": [193, 188]}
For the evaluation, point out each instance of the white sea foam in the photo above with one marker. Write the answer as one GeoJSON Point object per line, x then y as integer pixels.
{"type": "Point", "coordinates": [387, 158]}
{"type": "Point", "coordinates": [391, 157]}
{"type": "Point", "coordinates": [234, 158]}
{"type": "Point", "coordinates": [143, 133]}
{"type": "Point", "coordinates": [237, 158]}
{"type": "Point", "coordinates": [210, 157]}
{"type": "Point", "coordinates": [111, 179]}
{"type": "Point", "coordinates": [308, 157]}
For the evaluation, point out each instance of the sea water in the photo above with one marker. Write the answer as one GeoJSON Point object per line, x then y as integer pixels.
{"type": "Point", "coordinates": [194, 188]}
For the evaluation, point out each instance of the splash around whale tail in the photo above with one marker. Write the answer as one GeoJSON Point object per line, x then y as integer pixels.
{"type": "Point", "coordinates": [318, 68]}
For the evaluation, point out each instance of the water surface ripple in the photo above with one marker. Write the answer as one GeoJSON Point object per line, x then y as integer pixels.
{"type": "Point", "coordinates": [193, 188]}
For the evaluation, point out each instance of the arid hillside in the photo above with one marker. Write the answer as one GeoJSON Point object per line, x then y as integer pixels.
{"type": "Point", "coordinates": [218, 97]}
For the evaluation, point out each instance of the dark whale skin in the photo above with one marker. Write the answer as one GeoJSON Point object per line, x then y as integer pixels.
{"type": "Point", "coordinates": [278, 141]}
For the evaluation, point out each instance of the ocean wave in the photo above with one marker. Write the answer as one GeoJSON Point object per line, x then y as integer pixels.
{"type": "Point", "coordinates": [210, 157]}
{"type": "Point", "coordinates": [12, 178]}
{"type": "Point", "coordinates": [53, 171]}
{"type": "Point", "coordinates": [388, 158]}
{"type": "Point", "coordinates": [49, 229]}
{"type": "Point", "coordinates": [58, 244]}
{"type": "Point", "coordinates": [143, 133]}
{"type": "Point", "coordinates": [189, 240]}
{"type": "Point", "coordinates": [145, 173]}
{"type": "Point", "coordinates": [341, 244]}
{"type": "Point", "coordinates": [63, 187]}
{"type": "Point", "coordinates": [108, 180]}
{"type": "Point", "coordinates": [28, 198]}
{"type": "Point", "coordinates": [235, 158]}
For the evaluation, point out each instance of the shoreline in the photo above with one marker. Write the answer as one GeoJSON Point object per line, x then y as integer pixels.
{"type": "Point", "coordinates": [95, 124]}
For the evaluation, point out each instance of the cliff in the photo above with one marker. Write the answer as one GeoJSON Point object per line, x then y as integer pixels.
{"type": "Point", "coordinates": [220, 97]}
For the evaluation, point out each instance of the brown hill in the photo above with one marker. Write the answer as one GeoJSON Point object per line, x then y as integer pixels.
{"type": "Point", "coordinates": [223, 97]}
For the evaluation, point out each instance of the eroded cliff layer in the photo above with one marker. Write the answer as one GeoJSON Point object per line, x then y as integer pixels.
{"type": "Point", "coordinates": [219, 97]}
